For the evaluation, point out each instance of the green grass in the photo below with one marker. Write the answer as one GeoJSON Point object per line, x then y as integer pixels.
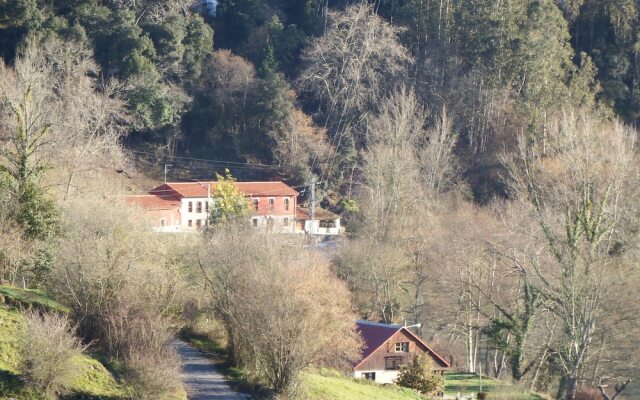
{"type": "Point", "coordinates": [332, 385]}
{"type": "Point", "coordinates": [469, 383]}
{"type": "Point", "coordinates": [326, 384]}
{"type": "Point", "coordinates": [28, 298]}
{"type": "Point", "coordinates": [10, 329]}
{"type": "Point", "coordinates": [201, 342]}
{"type": "Point", "coordinates": [93, 380]}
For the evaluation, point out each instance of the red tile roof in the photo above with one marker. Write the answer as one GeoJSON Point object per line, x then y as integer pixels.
{"type": "Point", "coordinates": [375, 334]}
{"type": "Point", "coordinates": [200, 189]}
{"type": "Point", "coordinates": [152, 202]}
{"type": "Point", "coordinates": [302, 213]}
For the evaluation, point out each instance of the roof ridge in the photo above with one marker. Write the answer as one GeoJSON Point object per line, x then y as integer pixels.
{"type": "Point", "coordinates": [380, 324]}
{"type": "Point", "coordinates": [195, 182]}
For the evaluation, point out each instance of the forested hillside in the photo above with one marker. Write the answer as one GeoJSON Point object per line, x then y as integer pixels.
{"type": "Point", "coordinates": [294, 83]}
{"type": "Point", "coordinates": [483, 156]}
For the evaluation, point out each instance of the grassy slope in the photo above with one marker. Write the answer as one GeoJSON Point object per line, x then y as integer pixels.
{"type": "Point", "coordinates": [326, 385]}
{"type": "Point", "coordinates": [332, 385]}
{"type": "Point", "coordinates": [93, 381]}
{"type": "Point", "coordinates": [469, 383]}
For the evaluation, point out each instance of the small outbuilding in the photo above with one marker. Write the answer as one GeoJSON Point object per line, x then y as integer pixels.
{"type": "Point", "coordinates": [324, 222]}
{"type": "Point", "coordinates": [387, 348]}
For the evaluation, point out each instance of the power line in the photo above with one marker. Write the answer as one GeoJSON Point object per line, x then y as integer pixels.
{"type": "Point", "coordinates": [173, 191]}
{"type": "Point", "coordinates": [231, 163]}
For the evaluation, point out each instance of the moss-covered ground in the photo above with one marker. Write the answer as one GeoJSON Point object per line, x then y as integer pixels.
{"type": "Point", "coordinates": [93, 381]}
{"type": "Point", "coordinates": [465, 384]}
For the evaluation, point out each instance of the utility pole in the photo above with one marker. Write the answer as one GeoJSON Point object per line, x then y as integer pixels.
{"type": "Point", "coordinates": [165, 171]}
{"type": "Point", "coordinates": [312, 203]}
{"type": "Point", "coordinates": [480, 376]}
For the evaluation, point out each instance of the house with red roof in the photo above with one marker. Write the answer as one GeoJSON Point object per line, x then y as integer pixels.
{"type": "Point", "coordinates": [185, 206]}
{"type": "Point", "coordinates": [324, 222]}
{"type": "Point", "coordinates": [386, 348]}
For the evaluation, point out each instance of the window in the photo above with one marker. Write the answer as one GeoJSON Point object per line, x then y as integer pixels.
{"type": "Point", "coordinates": [285, 222]}
{"type": "Point", "coordinates": [272, 204]}
{"type": "Point", "coordinates": [199, 207]}
{"type": "Point", "coordinates": [190, 223]}
{"type": "Point", "coordinates": [254, 222]}
{"type": "Point", "coordinates": [255, 204]}
{"type": "Point", "coordinates": [206, 207]}
{"type": "Point", "coordinates": [327, 224]}
{"type": "Point", "coordinates": [162, 222]}
{"type": "Point", "coordinates": [286, 204]}
{"type": "Point", "coordinates": [198, 223]}
{"type": "Point", "coordinates": [190, 206]}
{"type": "Point", "coordinates": [402, 347]}
{"type": "Point", "coordinates": [392, 362]}
{"type": "Point", "coordinates": [370, 376]}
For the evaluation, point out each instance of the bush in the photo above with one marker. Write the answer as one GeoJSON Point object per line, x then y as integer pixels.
{"type": "Point", "coordinates": [47, 351]}
{"type": "Point", "coordinates": [419, 375]}
{"type": "Point", "coordinates": [483, 395]}
{"type": "Point", "coordinates": [588, 393]}
{"type": "Point", "coordinates": [140, 340]}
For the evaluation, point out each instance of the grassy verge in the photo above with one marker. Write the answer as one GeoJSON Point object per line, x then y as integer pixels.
{"type": "Point", "coordinates": [322, 384]}
{"type": "Point", "coordinates": [238, 378]}
{"type": "Point", "coordinates": [28, 298]}
{"type": "Point", "coordinates": [332, 385]}
{"type": "Point", "coordinates": [465, 384]}
{"type": "Point", "coordinates": [93, 380]}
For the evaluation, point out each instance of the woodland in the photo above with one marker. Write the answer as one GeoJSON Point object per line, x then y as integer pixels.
{"type": "Point", "coordinates": [483, 156]}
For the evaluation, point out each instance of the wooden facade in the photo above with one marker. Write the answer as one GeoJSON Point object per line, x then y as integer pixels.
{"type": "Point", "coordinates": [383, 358]}
{"type": "Point", "coordinates": [387, 349]}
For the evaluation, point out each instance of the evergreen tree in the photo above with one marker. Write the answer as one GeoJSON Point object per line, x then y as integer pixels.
{"type": "Point", "coordinates": [419, 375]}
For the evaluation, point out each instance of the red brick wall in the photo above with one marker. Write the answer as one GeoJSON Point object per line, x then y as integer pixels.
{"type": "Point", "coordinates": [154, 217]}
{"type": "Point", "coordinates": [278, 206]}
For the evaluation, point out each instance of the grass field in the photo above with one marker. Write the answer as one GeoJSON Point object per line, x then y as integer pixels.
{"type": "Point", "coordinates": [27, 298]}
{"type": "Point", "coordinates": [470, 383]}
{"type": "Point", "coordinates": [331, 385]}
{"type": "Point", "coordinates": [93, 380]}
{"type": "Point", "coordinates": [325, 384]}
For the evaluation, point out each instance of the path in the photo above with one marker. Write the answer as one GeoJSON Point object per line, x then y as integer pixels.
{"type": "Point", "coordinates": [201, 378]}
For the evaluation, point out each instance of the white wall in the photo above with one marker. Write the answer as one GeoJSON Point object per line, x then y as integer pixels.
{"type": "Point", "coordinates": [318, 230]}
{"type": "Point", "coordinates": [382, 376]}
{"type": "Point", "coordinates": [185, 215]}
{"type": "Point", "coordinates": [277, 226]}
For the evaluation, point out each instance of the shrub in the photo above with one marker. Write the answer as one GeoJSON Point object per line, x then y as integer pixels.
{"type": "Point", "coordinates": [139, 339]}
{"type": "Point", "coordinates": [419, 375]}
{"type": "Point", "coordinates": [588, 393]}
{"type": "Point", "coordinates": [47, 351]}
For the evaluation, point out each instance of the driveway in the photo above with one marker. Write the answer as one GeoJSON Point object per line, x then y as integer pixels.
{"type": "Point", "coordinates": [201, 378]}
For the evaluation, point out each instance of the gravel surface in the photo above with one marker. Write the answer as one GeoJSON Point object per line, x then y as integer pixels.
{"type": "Point", "coordinates": [201, 378]}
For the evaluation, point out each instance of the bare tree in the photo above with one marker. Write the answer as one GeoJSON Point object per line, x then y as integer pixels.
{"type": "Point", "coordinates": [578, 187]}
{"type": "Point", "coordinates": [301, 147]}
{"type": "Point", "coordinates": [66, 119]}
{"type": "Point", "coordinates": [349, 69]}
{"type": "Point", "coordinates": [437, 161]}
{"type": "Point", "coordinates": [282, 307]}
{"type": "Point", "coordinates": [390, 172]}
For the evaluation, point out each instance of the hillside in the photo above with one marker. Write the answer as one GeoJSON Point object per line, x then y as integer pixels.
{"type": "Point", "coordinates": [482, 155]}
{"type": "Point", "coordinates": [328, 385]}
{"type": "Point", "coordinates": [93, 381]}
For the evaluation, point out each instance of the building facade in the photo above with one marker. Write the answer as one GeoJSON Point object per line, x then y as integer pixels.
{"type": "Point", "coordinates": [324, 223]}
{"type": "Point", "coordinates": [186, 206]}
{"type": "Point", "coordinates": [387, 348]}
